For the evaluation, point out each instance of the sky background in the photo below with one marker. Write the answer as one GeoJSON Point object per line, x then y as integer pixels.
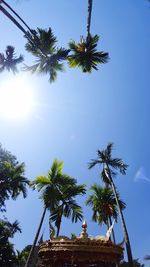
{"type": "Point", "coordinates": [80, 113]}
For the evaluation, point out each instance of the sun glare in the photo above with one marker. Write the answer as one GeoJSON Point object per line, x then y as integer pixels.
{"type": "Point", "coordinates": [16, 98]}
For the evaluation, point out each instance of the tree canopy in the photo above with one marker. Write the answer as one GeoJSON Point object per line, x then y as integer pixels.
{"type": "Point", "coordinates": [12, 179]}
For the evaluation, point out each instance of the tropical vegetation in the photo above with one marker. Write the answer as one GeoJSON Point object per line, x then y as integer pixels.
{"type": "Point", "coordinates": [12, 179]}
{"type": "Point", "coordinates": [58, 193]}
{"type": "Point", "coordinates": [103, 204]}
{"type": "Point", "coordinates": [50, 59]}
{"type": "Point", "coordinates": [7, 252]}
{"type": "Point", "coordinates": [110, 167]}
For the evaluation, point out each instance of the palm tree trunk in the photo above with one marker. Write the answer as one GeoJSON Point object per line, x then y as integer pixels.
{"type": "Point", "coordinates": [27, 35]}
{"type": "Point", "coordinates": [89, 17]}
{"type": "Point", "coordinates": [35, 240]}
{"type": "Point", "coordinates": [2, 1]}
{"type": "Point", "coordinates": [58, 229]}
{"type": "Point", "coordinates": [113, 234]}
{"type": "Point", "coordinates": [13, 20]}
{"type": "Point", "coordinates": [59, 223]}
{"type": "Point", "coordinates": [110, 221]}
{"type": "Point", "coordinates": [126, 236]}
{"type": "Point", "coordinates": [107, 223]}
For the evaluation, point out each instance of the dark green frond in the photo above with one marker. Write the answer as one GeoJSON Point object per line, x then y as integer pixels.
{"type": "Point", "coordinates": [94, 163]}
{"type": "Point", "coordinates": [85, 56]}
{"type": "Point", "coordinates": [105, 159]}
{"type": "Point", "coordinates": [103, 204]}
{"type": "Point", "coordinates": [48, 57]}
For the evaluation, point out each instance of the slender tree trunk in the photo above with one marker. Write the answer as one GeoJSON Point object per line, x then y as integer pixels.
{"type": "Point", "coordinates": [27, 35]}
{"type": "Point", "coordinates": [2, 1]}
{"type": "Point", "coordinates": [107, 223]}
{"type": "Point", "coordinates": [59, 224]}
{"type": "Point", "coordinates": [113, 234]}
{"type": "Point", "coordinates": [110, 221]}
{"type": "Point", "coordinates": [89, 17]}
{"type": "Point", "coordinates": [35, 240]}
{"type": "Point", "coordinates": [13, 20]}
{"type": "Point", "coordinates": [126, 236]}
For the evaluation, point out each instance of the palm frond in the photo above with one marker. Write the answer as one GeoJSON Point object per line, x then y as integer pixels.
{"type": "Point", "coordinates": [103, 204]}
{"type": "Point", "coordinates": [48, 57]}
{"type": "Point", "coordinates": [94, 163]}
{"type": "Point", "coordinates": [40, 182]}
{"type": "Point", "coordinates": [85, 56]}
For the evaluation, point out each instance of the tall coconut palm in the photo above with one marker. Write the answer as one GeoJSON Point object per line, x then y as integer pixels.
{"type": "Point", "coordinates": [84, 54]}
{"type": "Point", "coordinates": [52, 190]}
{"type": "Point", "coordinates": [103, 204]}
{"type": "Point", "coordinates": [110, 167]}
{"type": "Point", "coordinates": [9, 61]}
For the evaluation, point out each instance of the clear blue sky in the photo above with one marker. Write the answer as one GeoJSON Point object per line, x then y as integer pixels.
{"type": "Point", "coordinates": [80, 113]}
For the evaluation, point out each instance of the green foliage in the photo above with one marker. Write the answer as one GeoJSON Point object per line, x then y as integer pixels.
{"type": "Point", "coordinates": [111, 166]}
{"type": "Point", "coordinates": [104, 158]}
{"type": "Point", "coordinates": [12, 180]}
{"type": "Point", "coordinates": [103, 204]}
{"type": "Point", "coordinates": [49, 58]}
{"type": "Point", "coordinates": [59, 191]}
{"type": "Point", "coordinates": [7, 252]}
{"type": "Point", "coordinates": [21, 256]}
{"type": "Point", "coordinates": [84, 54]}
{"type": "Point", "coordinates": [73, 236]}
{"type": "Point", "coordinates": [9, 61]}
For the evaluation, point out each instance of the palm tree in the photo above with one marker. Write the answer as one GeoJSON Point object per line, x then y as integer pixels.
{"type": "Point", "coordinates": [53, 188]}
{"type": "Point", "coordinates": [51, 58]}
{"type": "Point", "coordinates": [7, 252]}
{"type": "Point", "coordinates": [84, 54]}
{"type": "Point", "coordinates": [103, 204]}
{"type": "Point", "coordinates": [9, 61]}
{"type": "Point", "coordinates": [67, 206]}
{"type": "Point", "coordinates": [12, 182]}
{"type": "Point", "coordinates": [42, 44]}
{"type": "Point", "coordinates": [110, 164]}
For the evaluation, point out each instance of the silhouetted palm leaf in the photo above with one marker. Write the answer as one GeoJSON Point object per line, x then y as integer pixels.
{"type": "Point", "coordinates": [104, 157]}
{"type": "Point", "coordinates": [9, 61]}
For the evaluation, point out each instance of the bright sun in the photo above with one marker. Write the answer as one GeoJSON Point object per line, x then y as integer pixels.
{"type": "Point", "coordinates": [16, 98]}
